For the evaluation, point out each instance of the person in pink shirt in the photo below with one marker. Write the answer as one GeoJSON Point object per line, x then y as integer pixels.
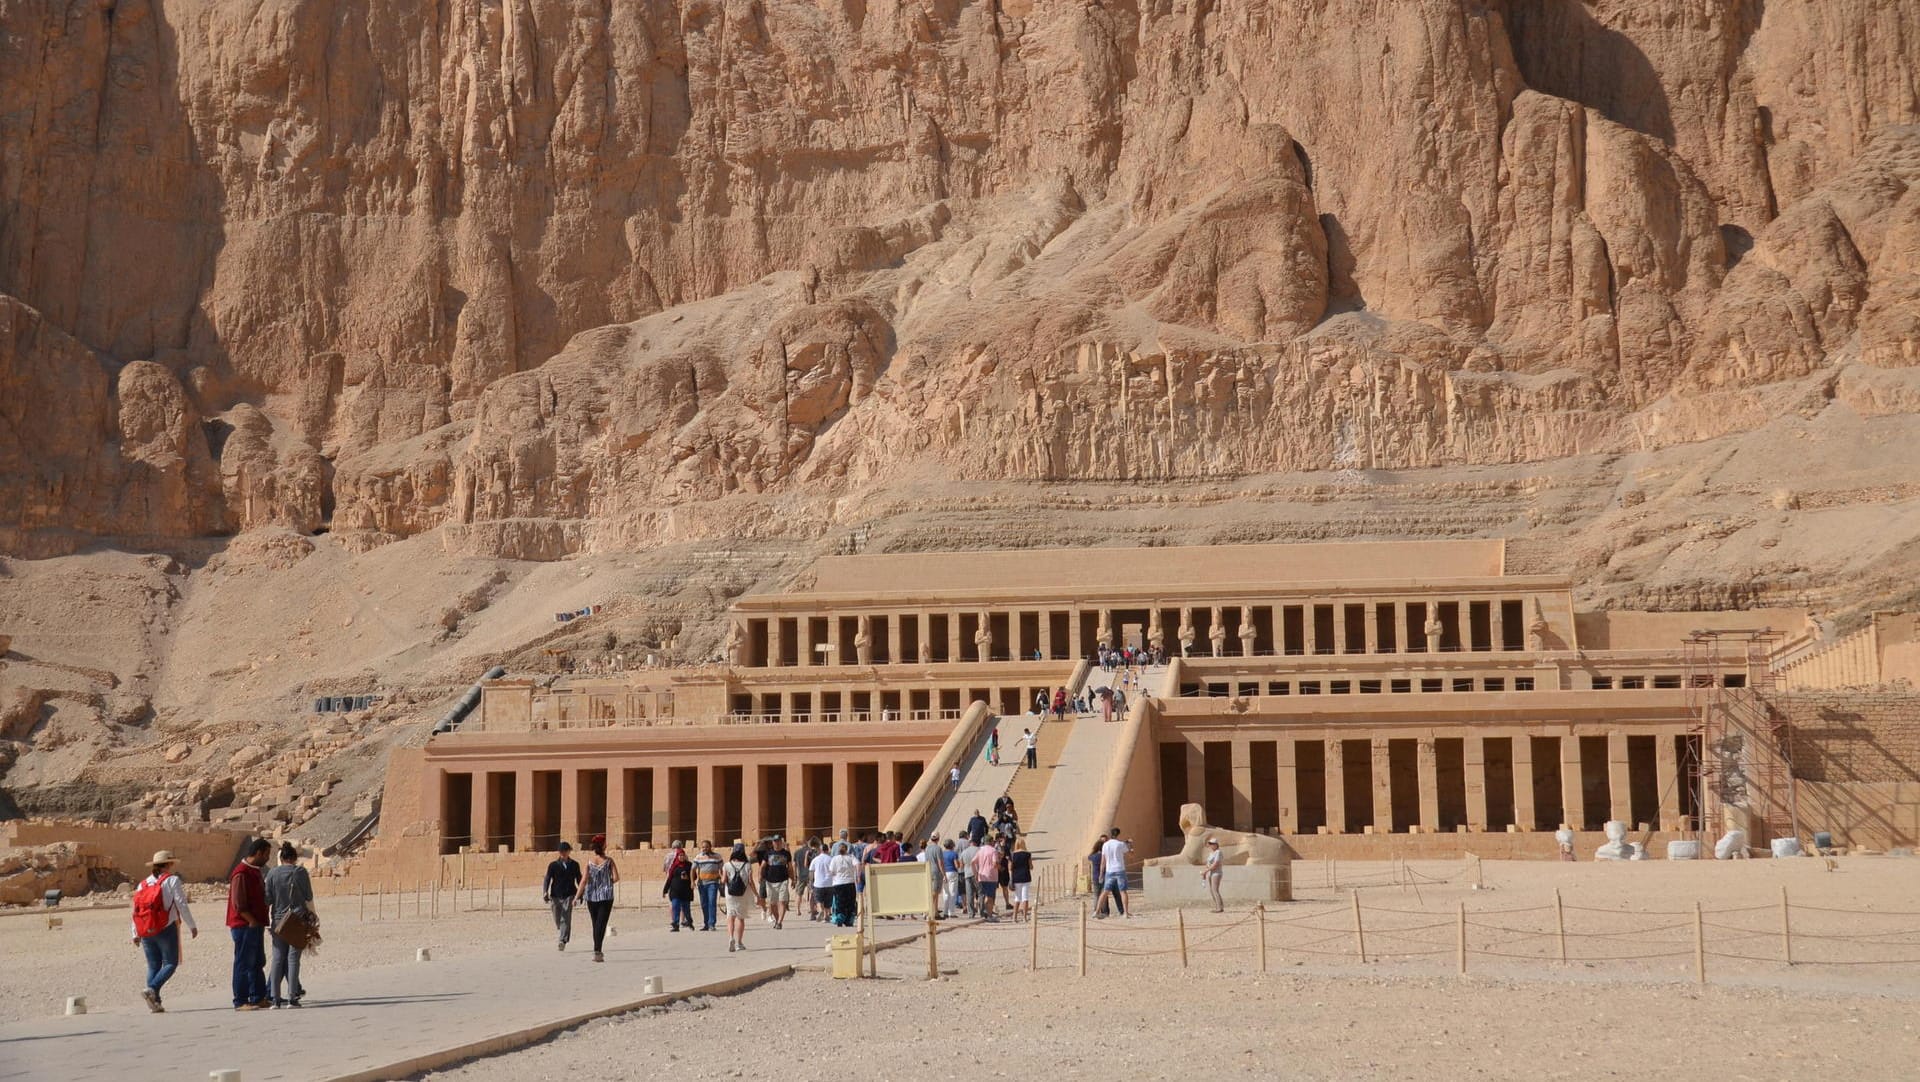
{"type": "Point", "coordinates": [986, 865]}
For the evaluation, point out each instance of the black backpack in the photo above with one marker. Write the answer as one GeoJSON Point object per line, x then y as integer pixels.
{"type": "Point", "coordinates": [736, 883]}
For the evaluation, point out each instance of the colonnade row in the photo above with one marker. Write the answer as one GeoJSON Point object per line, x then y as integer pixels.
{"type": "Point", "coordinates": [1371, 783]}
{"type": "Point", "coordinates": [532, 810]}
{"type": "Point", "coordinates": [1235, 630]}
{"type": "Point", "coordinates": [901, 704]}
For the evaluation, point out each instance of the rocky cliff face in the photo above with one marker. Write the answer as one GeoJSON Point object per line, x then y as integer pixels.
{"type": "Point", "coordinates": [547, 270]}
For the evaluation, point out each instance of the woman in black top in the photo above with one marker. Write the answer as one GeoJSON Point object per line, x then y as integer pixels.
{"type": "Point", "coordinates": [1020, 877]}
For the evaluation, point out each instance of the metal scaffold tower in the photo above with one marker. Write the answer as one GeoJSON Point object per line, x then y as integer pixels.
{"type": "Point", "coordinates": [1743, 762]}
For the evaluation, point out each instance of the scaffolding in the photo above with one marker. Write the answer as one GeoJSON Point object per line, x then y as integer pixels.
{"type": "Point", "coordinates": [1742, 762]}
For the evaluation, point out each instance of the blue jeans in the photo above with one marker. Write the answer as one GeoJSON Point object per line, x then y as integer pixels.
{"type": "Point", "coordinates": [285, 969]}
{"type": "Point", "coordinates": [709, 903]}
{"type": "Point", "coordinates": [163, 956]}
{"type": "Point", "coordinates": [1117, 883]}
{"type": "Point", "coordinates": [681, 910]}
{"type": "Point", "coordinates": [249, 965]}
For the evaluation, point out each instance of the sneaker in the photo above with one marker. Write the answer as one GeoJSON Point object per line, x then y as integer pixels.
{"type": "Point", "coordinates": [562, 945]}
{"type": "Point", "coordinates": [246, 1006]}
{"type": "Point", "coordinates": [294, 1003]}
{"type": "Point", "coordinates": [598, 957]}
{"type": "Point", "coordinates": [673, 927]}
{"type": "Point", "coordinates": [731, 947]}
{"type": "Point", "coordinates": [153, 999]}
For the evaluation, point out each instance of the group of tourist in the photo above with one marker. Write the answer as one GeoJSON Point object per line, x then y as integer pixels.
{"type": "Point", "coordinates": [264, 907]}
{"type": "Point", "coordinates": [1113, 659]}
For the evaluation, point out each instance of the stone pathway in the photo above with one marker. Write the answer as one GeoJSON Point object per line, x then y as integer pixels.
{"type": "Point", "coordinates": [1061, 827]}
{"type": "Point", "coordinates": [374, 1022]}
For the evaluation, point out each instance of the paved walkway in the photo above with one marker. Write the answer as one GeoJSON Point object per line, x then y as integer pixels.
{"type": "Point", "coordinates": [1061, 829]}
{"type": "Point", "coordinates": [355, 1024]}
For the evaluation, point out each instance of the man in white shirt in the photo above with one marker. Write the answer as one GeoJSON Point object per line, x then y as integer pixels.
{"type": "Point", "coordinates": [159, 909]}
{"type": "Point", "coordinates": [1113, 858]}
{"type": "Point", "coordinates": [1031, 745]}
{"type": "Point", "coordinates": [822, 875]}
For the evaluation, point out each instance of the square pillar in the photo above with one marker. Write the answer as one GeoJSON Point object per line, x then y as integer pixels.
{"type": "Point", "coordinates": [569, 805]}
{"type": "Point", "coordinates": [1336, 784]}
{"type": "Point", "coordinates": [1382, 787]}
{"type": "Point", "coordinates": [1400, 636]}
{"type": "Point", "coordinates": [1309, 638]}
{"type": "Point", "coordinates": [477, 809]}
{"type": "Point", "coordinates": [1666, 762]}
{"type": "Point", "coordinates": [1474, 759]}
{"type": "Point", "coordinates": [1077, 647]}
{"type": "Point", "coordinates": [1427, 767]}
{"type": "Point", "coordinates": [796, 810]}
{"type": "Point", "coordinates": [1197, 776]}
{"type": "Point", "coordinates": [1573, 801]}
{"type": "Point", "coordinates": [809, 656]}
{"type": "Point", "coordinates": [522, 811]}
{"type": "Point", "coordinates": [751, 827]}
{"type": "Point", "coordinates": [1046, 633]}
{"type": "Point", "coordinates": [893, 621]}
{"type": "Point", "coordinates": [1018, 647]}
{"type": "Point", "coordinates": [706, 803]}
{"type": "Point", "coordinates": [1371, 614]}
{"type": "Point", "coordinates": [617, 807]}
{"type": "Point", "coordinates": [1287, 775]}
{"type": "Point", "coordinates": [1242, 761]}
{"type": "Point", "coordinates": [889, 799]}
{"type": "Point", "coordinates": [1619, 779]}
{"type": "Point", "coordinates": [1523, 807]}
{"type": "Point", "coordinates": [953, 636]}
{"type": "Point", "coordinates": [842, 802]}
{"type": "Point", "coordinates": [1497, 621]}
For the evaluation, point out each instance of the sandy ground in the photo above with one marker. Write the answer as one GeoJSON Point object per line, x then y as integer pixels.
{"type": "Point", "coordinates": [1316, 1013]}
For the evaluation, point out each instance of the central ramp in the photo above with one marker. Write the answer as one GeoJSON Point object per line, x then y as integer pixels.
{"type": "Point", "coordinates": [1063, 829]}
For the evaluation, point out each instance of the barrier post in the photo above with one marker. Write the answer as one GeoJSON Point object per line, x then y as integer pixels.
{"type": "Point", "coordinates": [1260, 936]}
{"type": "Point", "coordinates": [363, 903]}
{"type": "Point", "coordinates": [933, 951]}
{"type": "Point", "coordinates": [1083, 939]}
{"type": "Point", "coordinates": [1359, 930]}
{"type": "Point", "coordinates": [1033, 939]}
{"type": "Point", "coordinates": [1180, 921]}
{"type": "Point", "coordinates": [503, 896]}
{"type": "Point", "coordinates": [1786, 927]}
{"type": "Point", "coordinates": [1462, 938]}
{"type": "Point", "coordinates": [380, 901]}
{"type": "Point", "coordinates": [1559, 926]}
{"type": "Point", "coordinates": [1699, 946]}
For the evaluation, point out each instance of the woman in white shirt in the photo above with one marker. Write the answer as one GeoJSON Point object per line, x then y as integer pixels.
{"type": "Point", "coordinates": [842, 872]}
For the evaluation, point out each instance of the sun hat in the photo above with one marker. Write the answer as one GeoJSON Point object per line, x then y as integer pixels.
{"type": "Point", "coordinates": [164, 856]}
{"type": "Point", "coordinates": [1213, 841]}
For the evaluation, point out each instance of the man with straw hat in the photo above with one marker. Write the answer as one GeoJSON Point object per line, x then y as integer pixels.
{"type": "Point", "coordinates": [159, 908]}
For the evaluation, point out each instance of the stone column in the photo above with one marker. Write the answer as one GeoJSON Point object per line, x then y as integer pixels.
{"type": "Point", "coordinates": [1242, 761]}
{"type": "Point", "coordinates": [1572, 793]}
{"type": "Point", "coordinates": [1336, 786]}
{"type": "Point", "coordinates": [1017, 645]}
{"type": "Point", "coordinates": [522, 810]}
{"type": "Point", "coordinates": [570, 804]}
{"type": "Point", "coordinates": [617, 807]}
{"type": "Point", "coordinates": [1382, 787]}
{"type": "Point", "coordinates": [751, 794]}
{"type": "Point", "coordinates": [660, 815]}
{"type": "Point", "coordinates": [1427, 765]}
{"type": "Point", "coordinates": [1371, 613]}
{"type": "Point", "coordinates": [1620, 779]}
{"type": "Point", "coordinates": [894, 629]}
{"type": "Point", "coordinates": [477, 812]}
{"type": "Point", "coordinates": [1197, 775]}
{"type": "Point", "coordinates": [1666, 761]}
{"type": "Point", "coordinates": [1523, 809]}
{"type": "Point", "coordinates": [1075, 637]}
{"type": "Point", "coordinates": [1473, 753]}
{"type": "Point", "coordinates": [796, 810]}
{"type": "Point", "coordinates": [842, 802]}
{"type": "Point", "coordinates": [807, 654]}
{"type": "Point", "coordinates": [1046, 632]}
{"type": "Point", "coordinates": [1498, 622]}
{"type": "Point", "coordinates": [953, 637]}
{"type": "Point", "coordinates": [889, 797]}
{"type": "Point", "coordinates": [706, 806]}
{"type": "Point", "coordinates": [1287, 776]}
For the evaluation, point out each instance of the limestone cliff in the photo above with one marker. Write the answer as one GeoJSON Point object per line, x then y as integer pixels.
{"type": "Point", "coordinates": [381, 267]}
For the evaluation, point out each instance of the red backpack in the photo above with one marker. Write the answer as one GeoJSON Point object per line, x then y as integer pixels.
{"type": "Point", "coordinates": [150, 916]}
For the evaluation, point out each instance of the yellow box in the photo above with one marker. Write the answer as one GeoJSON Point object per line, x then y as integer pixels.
{"type": "Point", "coordinates": [847, 951]}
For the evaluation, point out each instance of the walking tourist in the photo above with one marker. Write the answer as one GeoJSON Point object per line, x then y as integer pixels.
{"type": "Point", "coordinates": [993, 746]}
{"type": "Point", "coordinates": [678, 888]}
{"type": "Point", "coordinates": [597, 891]}
{"type": "Point", "coordinates": [820, 876]}
{"type": "Point", "coordinates": [1096, 879]}
{"type": "Point", "coordinates": [291, 924]}
{"type": "Point", "coordinates": [1212, 873]}
{"type": "Point", "coordinates": [776, 881]}
{"type": "Point", "coordinates": [1113, 862]}
{"type": "Point", "coordinates": [1059, 703]}
{"type": "Point", "coordinates": [558, 888]}
{"type": "Point", "coordinates": [842, 872]}
{"type": "Point", "coordinates": [737, 874]}
{"type": "Point", "coordinates": [953, 777]}
{"type": "Point", "coordinates": [977, 827]}
{"type": "Point", "coordinates": [949, 879]}
{"type": "Point", "coordinates": [969, 893]}
{"type": "Point", "coordinates": [986, 871]}
{"type": "Point", "coordinates": [159, 909]}
{"type": "Point", "coordinates": [1031, 746]}
{"type": "Point", "coordinates": [706, 879]}
{"type": "Point", "coordinates": [1020, 875]}
{"type": "Point", "coordinates": [247, 924]}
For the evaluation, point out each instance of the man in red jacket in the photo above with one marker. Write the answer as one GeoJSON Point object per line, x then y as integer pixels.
{"type": "Point", "coordinates": [247, 923]}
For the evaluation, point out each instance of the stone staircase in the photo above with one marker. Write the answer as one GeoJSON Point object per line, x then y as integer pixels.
{"type": "Point", "coordinates": [1074, 769]}
{"type": "Point", "coordinates": [1029, 787]}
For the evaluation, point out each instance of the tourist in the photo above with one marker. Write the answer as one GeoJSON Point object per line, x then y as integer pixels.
{"type": "Point", "coordinates": [1059, 705]}
{"type": "Point", "coordinates": [706, 880]}
{"type": "Point", "coordinates": [949, 879]}
{"type": "Point", "coordinates": [1020, 875]}
{"type": "Point", "coordinates": [977, 827]}
{"type": "Point", "coordinates": [1031, 746]}
{"type": "Point", "coordinates": [1113, 862]}
{"type": "Point", "coordinates": [558, 888]}
{"type": "Point", "coordinates": [986, 871]}
{"type": "Point", "coordinates": [737, 874]}
{"type": "Point", "coordinates": [291, 921]}
{"type": "Point", "coordinates": [596, 890]}
{"type": "Point", "coordinates": [159, 909]}
{"type": "Point", "coordinates": [969, 893]}
{"type": "Point", "coordinates": [953, 778]}
{"type": "Point", "coordinates": [804, 861]}
{"type": "Point", "coordinates": [1003, 874]}
{"type": "Point", "coordinates": [820, 874]}
{"type": "Point", "coordinates": [1096, 880]}
{"type": "Point", "coordinates": [842, 872]}
{"type": "Point", "coordinates": [993, 747]}
{"type": "Point", "coordinates": [678, 888]}
{"type": "Point", "coordinates": [776, 881]}
{"type": "Point", "coordinates": [247, 924]}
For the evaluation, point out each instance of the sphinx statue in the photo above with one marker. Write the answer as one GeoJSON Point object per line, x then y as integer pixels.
{"type": "Point", "coordinates": [1236, 847]}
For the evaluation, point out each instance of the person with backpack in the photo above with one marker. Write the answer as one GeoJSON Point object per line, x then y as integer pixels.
{"type": "Point", "coordinates": [159, 909]}
{"type": "Point", "coordinates": [289, 902]}
{"type": "Point", "coordinates": [559, 888]}
{"type": "Point", "coordinates": [706, 879]}
{"type": "Point", "coordinates": [737, 874]}
{"type": "Point", "coordinates": [596, 889]}
{"type": "Point", "coordinates": [678, 888]}
{"type": "Point", "coordinates": [776, 881]}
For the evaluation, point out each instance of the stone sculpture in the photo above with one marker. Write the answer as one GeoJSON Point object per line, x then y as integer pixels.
{"type": "Point", "coordinates": [983, 638]}
{"type": "Point", "coordinates": [1432, 630]}
{"type": "Point", "coordinates": [1236, 847]}
{"type": "Point", "coordinates": [863, 641]}
{"type": "Point", "coordinates": [1156, 632]}
{"type": "Point", "coordinates": [1615, 847]}
{"type": "Point", "coordinates": [1537, 628]}
{"type": "Point", "coordinates": [1248, 632]}
{"type": "Point", "coordinates": [1217, 631]}
{"type": "Point", "coordinates": [1104, 633]}
{"type": "Point", "coordinates": [736, 643]}
{"type": "Point", "coordinates": [1187, 633]}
